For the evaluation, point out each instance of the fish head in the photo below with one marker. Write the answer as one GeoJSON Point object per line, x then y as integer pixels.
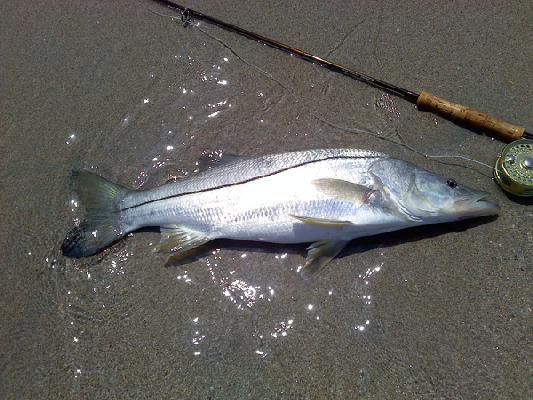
{"type": "Point", "coordinates": [425, 197]}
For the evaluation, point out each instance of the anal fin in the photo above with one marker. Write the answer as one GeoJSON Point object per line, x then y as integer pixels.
{"type": "Point", "coordinates": [180, 240]}
{"type": "Point", "coordinates": [320, 254]}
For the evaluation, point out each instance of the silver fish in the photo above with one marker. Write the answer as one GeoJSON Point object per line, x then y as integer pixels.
{"type": "Point", "coordinates": [325, 197]}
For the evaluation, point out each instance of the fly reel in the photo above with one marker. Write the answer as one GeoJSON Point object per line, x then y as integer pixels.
{"type": "Point", "coordinates": [513, 169]}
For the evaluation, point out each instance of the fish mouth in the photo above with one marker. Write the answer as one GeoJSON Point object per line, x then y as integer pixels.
{"type": "Point", "coordinates": [479, 205]}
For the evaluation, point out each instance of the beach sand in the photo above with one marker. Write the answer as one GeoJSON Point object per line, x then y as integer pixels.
{"type": "Point", "coordinates": [436, 312]}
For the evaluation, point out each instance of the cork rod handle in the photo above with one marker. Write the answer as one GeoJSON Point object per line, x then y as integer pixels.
{"type": "Point", "coordinates": [464, 115]}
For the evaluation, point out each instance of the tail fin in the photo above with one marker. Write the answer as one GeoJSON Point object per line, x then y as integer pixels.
{"type": "Point", "coordinates": [101, 199]}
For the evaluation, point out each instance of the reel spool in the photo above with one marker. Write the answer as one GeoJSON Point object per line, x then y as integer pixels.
{"type": "Point", "coordinates": [513, 169]}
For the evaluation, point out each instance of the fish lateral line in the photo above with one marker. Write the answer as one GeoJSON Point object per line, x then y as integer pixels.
{"type": "Point", "coordinates": [248, 180]}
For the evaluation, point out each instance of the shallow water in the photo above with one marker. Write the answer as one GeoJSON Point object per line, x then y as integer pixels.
{"type": "Point", "coordinates": [437, 312]}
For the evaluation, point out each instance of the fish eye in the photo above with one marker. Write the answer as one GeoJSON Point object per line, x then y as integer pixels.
{"type": "Point", "coordinates": [451, 183]}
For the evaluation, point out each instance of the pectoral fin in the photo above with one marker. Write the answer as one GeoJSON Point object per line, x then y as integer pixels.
{"type": "Point", "coordinates": [344, 190]}
{"type": "Point", "coordinates": [323, 222]}
{"type": "Point", "coordinates": [320, 254]}
{"type": "Point", "coordinates": [180, 240]}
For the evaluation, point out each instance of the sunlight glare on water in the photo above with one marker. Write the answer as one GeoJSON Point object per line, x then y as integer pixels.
{"type": "Point", "coordinates": [137, 98]}
{"type": "Point", "coordinates": [260, 290]}
{"type": "Point", "coordinates": [241, 286]}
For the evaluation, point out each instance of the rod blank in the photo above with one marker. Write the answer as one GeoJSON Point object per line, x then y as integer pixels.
{"type": "Point", "coordinates": [425, 101]}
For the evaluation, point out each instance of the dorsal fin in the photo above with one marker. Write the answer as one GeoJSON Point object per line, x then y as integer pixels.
{"type": "Point", "coordinates": [215, 158]}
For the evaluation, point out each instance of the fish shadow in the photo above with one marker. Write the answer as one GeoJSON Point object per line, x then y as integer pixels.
{"type": "Point", "coordinates": [244, 246]}
{"type": "Point", "coordinates": [525, 201]}
{"type": "Point", "coordinates": [408, 235]}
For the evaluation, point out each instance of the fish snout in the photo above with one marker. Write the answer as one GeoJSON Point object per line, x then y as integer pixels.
{"type": "Point", "coordinates": [478, 205]}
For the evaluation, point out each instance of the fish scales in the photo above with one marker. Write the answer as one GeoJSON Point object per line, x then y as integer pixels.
{"type": "Point", "coordinates": [254, 201]}
{"type": "Point", "coordinates": [244, 169]}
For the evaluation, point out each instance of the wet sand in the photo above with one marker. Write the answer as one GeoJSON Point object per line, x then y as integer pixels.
{"type": "Point", "coordinates": [437, 312]}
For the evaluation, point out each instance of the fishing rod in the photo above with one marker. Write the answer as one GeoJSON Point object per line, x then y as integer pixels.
{"type": "Point", "coordinates": [513, 169]}
{"type": "Point", "coordinates": [425, 101]}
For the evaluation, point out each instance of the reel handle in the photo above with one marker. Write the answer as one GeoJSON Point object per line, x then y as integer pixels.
{"type": "Point", "coordinates": [467, 116]}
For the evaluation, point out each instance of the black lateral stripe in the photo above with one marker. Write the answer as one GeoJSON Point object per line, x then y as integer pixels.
{"type": "Point", "coordinates": [250, 179]}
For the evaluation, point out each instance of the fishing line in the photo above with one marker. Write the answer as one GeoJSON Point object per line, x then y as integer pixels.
{"type": "Point", "coordinates": [402, 143]}
{"type": "Point", "coordinates": [514, 178]}
{"type": "Point", "coordinates": [221, 42]}
{"type": "Point", "coordinates": [351, 129]}
{"type": "Point", "coordinates": [425, 101]}
{"type": "Point", "coordinates": [461, 158]}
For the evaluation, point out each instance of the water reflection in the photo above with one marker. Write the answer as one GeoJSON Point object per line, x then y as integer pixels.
{"type": "Point", "coordinates": [238, 291]}
{"type": "Point", "coordinates": [184, 277]}
{"type": "Point", "coordinates": [262, 289]}
{"type": "Point", "coordinates": [366, 298]}
{"type": "Point", "coordinates": [279, 307]}
{"type": "Point", "coordinates": [71, 138]}
{"type": "Point", "coordinates": [282, 328]}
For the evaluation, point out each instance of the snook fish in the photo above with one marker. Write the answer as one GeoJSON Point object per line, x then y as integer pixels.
{"type": "Point", "coordinates": [325, 197]}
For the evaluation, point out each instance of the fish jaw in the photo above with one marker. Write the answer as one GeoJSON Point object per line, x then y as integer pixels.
{"type": "Point", "coordinates": [479, 205]}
